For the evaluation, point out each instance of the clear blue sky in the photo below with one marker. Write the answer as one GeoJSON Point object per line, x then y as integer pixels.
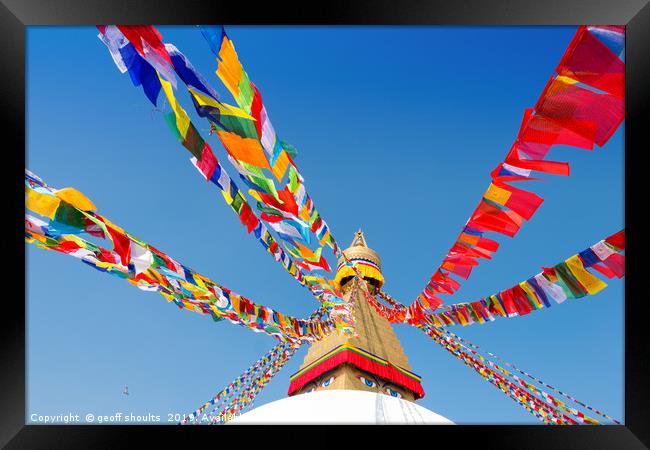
{"type": "Point", "coordinates": [397, 129]}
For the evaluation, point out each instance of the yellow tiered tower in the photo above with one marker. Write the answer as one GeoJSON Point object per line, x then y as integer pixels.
{"type": "Point", "coordinates": [374, 360]}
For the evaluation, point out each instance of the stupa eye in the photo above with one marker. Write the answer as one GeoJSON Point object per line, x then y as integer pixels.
{"type": "Point", "coordinates": [393, 393]}
{"type": "Point", "coordinates": [327, 382]}
{"type": "Point", "coordinates": [367, 382]}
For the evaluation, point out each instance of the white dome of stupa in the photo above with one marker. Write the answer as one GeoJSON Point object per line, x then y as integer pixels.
{"type": "Point", "coordinates": [341, 407]}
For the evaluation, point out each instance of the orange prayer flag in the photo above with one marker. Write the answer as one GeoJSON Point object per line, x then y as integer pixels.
{"type": "Point", "coordinates": [244, 149]}
{"type": "Point", "coordinates": [280, 166]}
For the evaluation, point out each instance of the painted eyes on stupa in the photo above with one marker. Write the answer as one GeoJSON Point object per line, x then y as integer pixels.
{"type": "Point", "coordinates": [327, 382]}
{"type": "Point", "coordinates": [393, 393]}
{"type": "Point", "coordinates": [368, 382]}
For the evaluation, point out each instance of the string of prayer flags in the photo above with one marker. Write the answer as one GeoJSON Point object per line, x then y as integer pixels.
{"type": "Point", "coordinates": [213, 300]}
{"type": "Point", "coordinates": [147, 267]}
{"type": "Point", "coordinates": [534, 399]}
{"type": "Point", "coordinates": [229, 119]}
{"type": "Point", "coordinates": [244, 401]}
{"type": "Point", "coordinates": [544, 412]}
{"type": "Point", "coordinates": [581, 105]}
{"type": "Point", "coordinates": [293, 216]}
{"type": "Point", "coordinates": [548, 397]}
{"type": "Point", "coordinates": [232, 400]}
{"type": "Point", "coordinates": [565, 280]}
{"type": "Point", "coordinates": [243, 148]}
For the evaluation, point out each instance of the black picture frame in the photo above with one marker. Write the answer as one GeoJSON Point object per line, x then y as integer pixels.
{"type": "Point", "coordinates": [16, 15]}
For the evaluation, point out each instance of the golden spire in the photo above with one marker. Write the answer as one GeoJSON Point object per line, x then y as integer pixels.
{"type": "Point", "coordinates": [374, 360]}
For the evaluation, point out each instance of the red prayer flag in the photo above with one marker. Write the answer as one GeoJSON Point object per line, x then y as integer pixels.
{"type": "Point", "coordinates": [461, 260]}
{"type": "Point", "coordinates": [437, 288]}
{"type": "Point", "coordinates": [67, 247]}
{"type": "Point", "coordinates": [508, 302]}
{"type": "Point", "coordinates": [489, 217]}
{"type": "Point", "coordinates": [508, 178]}
{"type": "Point", "coordinates": [245, 213]}
{"type": "Point", "coordinates": [208, 162]}
{"type": "Point", "coordinates": [591, 62]}
{"type": "Point", "coordinates": [106, 256]}
{"type": "Point", "coordinates": [256, 109]}
{"type": "Point", "coordinates": [121, 244]}
{"type": "Point", "coordinates": [617, 240]}
{"type": "Point", "coordinates": [522, 202]}
{"type": "Point", "coordinates": [148, 33]}
{"type": "Point", "coordinates": [271, 217]}
{"type": "Point", "coordinates": [604, 270]}
{"type": "Point", "coordinates": [537, 134]}
{"type": "Point", "coordinates": [461, 271]}
{"type": "Point", "coordinates": [252, 223]}
{"type": "Point", "coordinates": [588, 113]}
{"type": "Point", "coordinates": [521, 300]}
{"type": "Point", "coordinates": [472, 252]}
{"type": "Point", "coordinates": [488, 244]}
{"type": "Point", "coordinates": [287, 202]}
{"type": "Point", "coordinates": [616, 262]}
{"type": "Point", "coordinates": [553, 167]}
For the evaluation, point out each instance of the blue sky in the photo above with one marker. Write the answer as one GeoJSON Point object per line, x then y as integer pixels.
{"type": "Point", "coordinates": [397, 129]}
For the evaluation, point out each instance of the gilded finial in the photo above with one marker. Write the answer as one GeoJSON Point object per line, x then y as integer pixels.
{"type": "Point", "coordinates": [359, 239]}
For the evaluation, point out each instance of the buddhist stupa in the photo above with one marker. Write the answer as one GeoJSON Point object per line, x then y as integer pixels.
{"type": "Point", "coordinates": [365, 379]}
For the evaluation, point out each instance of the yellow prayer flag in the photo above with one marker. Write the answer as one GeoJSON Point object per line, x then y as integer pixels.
{"type": "Point", "coordinates": [199, 280]}
{"type": "Point", "coordinates": [253, 193]}
{"type": "Point", "coordinates": [589, 281]}
{"type": "Point", "coordinates": [227, 196]}
{"type": "Point", "coordinates": [167, 296]}
{"type": "Point", "coordinates": [182, 119]}
{"type": "Point", "coordinates": [224, 108]}
{"type": "Point", "coordinates": [42, 204]}
{"type": "Point", "coordinates": [76, 199]}
{"type": "Point", "coordinates": [497, 194]}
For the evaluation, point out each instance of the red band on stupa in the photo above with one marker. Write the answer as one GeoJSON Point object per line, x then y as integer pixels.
{"type": "Point", "coordinates": [357, 357]}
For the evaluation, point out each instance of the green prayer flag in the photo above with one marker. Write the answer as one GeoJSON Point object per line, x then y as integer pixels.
{"type": "Point", "coordinates": [69, 215]}
{"type": "Point", "coordinates": [170, 118]}
{"type": "Point", "coordinates": [568, 280]}
{"type": "Point", "coordinates": [290, 149]}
